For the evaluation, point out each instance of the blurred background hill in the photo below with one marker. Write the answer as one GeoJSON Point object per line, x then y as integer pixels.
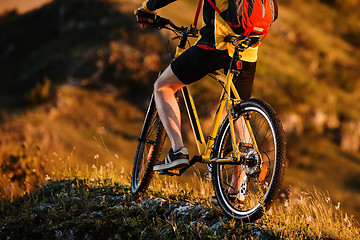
{"type": "Point", "coordinates": [76, 76]}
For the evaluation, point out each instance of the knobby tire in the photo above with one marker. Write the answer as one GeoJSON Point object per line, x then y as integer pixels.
{"type": "Point", "coordinates": [148, 151]}
{"type": "Point", "coordinates": [259, 197]}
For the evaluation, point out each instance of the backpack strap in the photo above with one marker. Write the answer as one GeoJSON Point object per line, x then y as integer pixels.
{"type": "Point", "coordinates": [197, 13]}
{"type": "Point", "coordinates": [214, 7]}
{"type": "Point", "coordinates": [219, 12]}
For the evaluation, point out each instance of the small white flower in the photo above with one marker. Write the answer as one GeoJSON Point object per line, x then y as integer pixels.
{"type": "Point", "coordinates": [338, 206]}
{"type": "Point", "coordinates": [93, 166]}
{"type": "Point", "coordinates": [47, 177]}
{"type": "Point", "coordinates": [308, 219]}
{"type": "Point", "coordinates": [96, 156]}
{"type": "Point", "coordinates": [116, 156]}
{"type": "Point", "coordinates": [327, 199]}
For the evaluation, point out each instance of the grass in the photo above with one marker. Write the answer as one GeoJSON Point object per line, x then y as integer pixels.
{"type": "Point", "coordinates": [311, 214]}
{"type": "Point", "coordinates": [97, 204]}
{"type": "Point", "coordinates": [87, 105]}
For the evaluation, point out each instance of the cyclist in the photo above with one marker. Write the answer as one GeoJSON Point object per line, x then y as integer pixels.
{"type": "Point", "coordinates": [210, 53]}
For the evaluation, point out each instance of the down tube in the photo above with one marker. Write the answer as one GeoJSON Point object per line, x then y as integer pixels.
{"type": "Point", "coordinates": [194, 119]}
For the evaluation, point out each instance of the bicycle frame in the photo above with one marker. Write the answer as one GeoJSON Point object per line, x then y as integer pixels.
{"type": "Point", "coordinates": [204, 147]}
{"type": "Point", "coordinates": [225, 104]}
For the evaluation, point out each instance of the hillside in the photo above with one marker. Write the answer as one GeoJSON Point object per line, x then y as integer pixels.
{"type": "Point", "coordinates": [98, 208]}
{"type": "Point", "coordinates": [76, 76]}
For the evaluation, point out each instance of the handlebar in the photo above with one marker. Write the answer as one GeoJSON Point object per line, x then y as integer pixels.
{"type": "Point", "coordinates": [242, 42]}
{"type": "Point", "coordinates": [159, 22]}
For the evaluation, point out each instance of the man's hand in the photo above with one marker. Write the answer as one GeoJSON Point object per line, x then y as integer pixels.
{"type": "Point", "coordinates": [142, 20]}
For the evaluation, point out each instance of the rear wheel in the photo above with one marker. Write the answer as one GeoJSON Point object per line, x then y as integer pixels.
{"type": "Point", "coordinates": [148, 151]}
{"type": "Point", "coordinates": [245, 189]}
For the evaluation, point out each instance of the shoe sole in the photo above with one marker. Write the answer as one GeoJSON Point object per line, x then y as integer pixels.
{"type": "Point", "coordinates": [181, 163]}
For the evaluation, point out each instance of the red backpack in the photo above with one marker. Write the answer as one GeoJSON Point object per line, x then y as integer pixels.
{"type": "Point", "coordinates": [249, 16]}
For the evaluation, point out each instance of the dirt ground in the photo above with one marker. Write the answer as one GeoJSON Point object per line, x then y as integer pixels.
{"type": "Point", "coordinates": [22, 6]}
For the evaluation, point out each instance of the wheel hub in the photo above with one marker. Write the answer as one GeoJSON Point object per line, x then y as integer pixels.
{"type": "Point", "coordinates": [252, 162]}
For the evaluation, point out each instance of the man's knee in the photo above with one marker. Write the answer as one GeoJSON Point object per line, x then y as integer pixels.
{"type": "Point", "coordinates": [162, 85]}
{"type": "Point", "coordinates": [167, 81]}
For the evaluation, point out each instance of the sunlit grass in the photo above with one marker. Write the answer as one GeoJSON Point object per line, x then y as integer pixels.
{"type": "Point", "coordinates": [304, 214]}
{"type": "Point", "coordinates": [295, 214]}
{"type": "Point", "coordinates": [196, 189]}
{"type": "Point", "coordinates": [90, 136]}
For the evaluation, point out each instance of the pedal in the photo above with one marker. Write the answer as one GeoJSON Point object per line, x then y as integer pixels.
{"type": "Point", "coordinates": [180, 171]}
{"type": "Point", "coordinates": [171, 172]}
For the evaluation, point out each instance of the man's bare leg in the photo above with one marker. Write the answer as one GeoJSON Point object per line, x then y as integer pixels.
{"type": "Point", "coordinates": [168, 108]}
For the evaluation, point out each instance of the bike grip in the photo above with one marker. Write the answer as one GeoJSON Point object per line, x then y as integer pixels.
{"type": "Point", "coordinates": [145, 14]}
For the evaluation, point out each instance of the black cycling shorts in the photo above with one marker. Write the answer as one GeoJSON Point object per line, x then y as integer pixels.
{"type": "Point", "coordinates": [196, 62]}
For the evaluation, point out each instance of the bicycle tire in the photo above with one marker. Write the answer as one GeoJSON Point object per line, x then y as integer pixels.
{"type": "Point", "coordinates": [262, 184]}
{"type": "Point", "coordinates": [148, 151]}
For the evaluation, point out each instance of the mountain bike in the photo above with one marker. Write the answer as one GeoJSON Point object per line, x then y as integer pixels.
{"type": "Point", "coordinates": [245, 154]}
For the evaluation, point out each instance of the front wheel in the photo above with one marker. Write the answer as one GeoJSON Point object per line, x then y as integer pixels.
{"type": "Point", "coordinates": [151, 141]}
{"type": "Point", "coordinates": [245, 189]}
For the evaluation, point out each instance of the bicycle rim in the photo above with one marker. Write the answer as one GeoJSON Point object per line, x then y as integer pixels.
{"type": "Point", "coordinates": [147, 154]}
{"type": "Point", "coordinates": [245, 191]}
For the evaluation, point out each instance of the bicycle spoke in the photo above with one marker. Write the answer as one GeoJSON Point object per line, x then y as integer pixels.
{"type": "Point", "coordinates": [254, 183]}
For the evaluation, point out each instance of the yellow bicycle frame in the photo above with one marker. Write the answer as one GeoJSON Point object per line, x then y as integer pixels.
{"type": "Point", "coordinates": [204, 147]}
